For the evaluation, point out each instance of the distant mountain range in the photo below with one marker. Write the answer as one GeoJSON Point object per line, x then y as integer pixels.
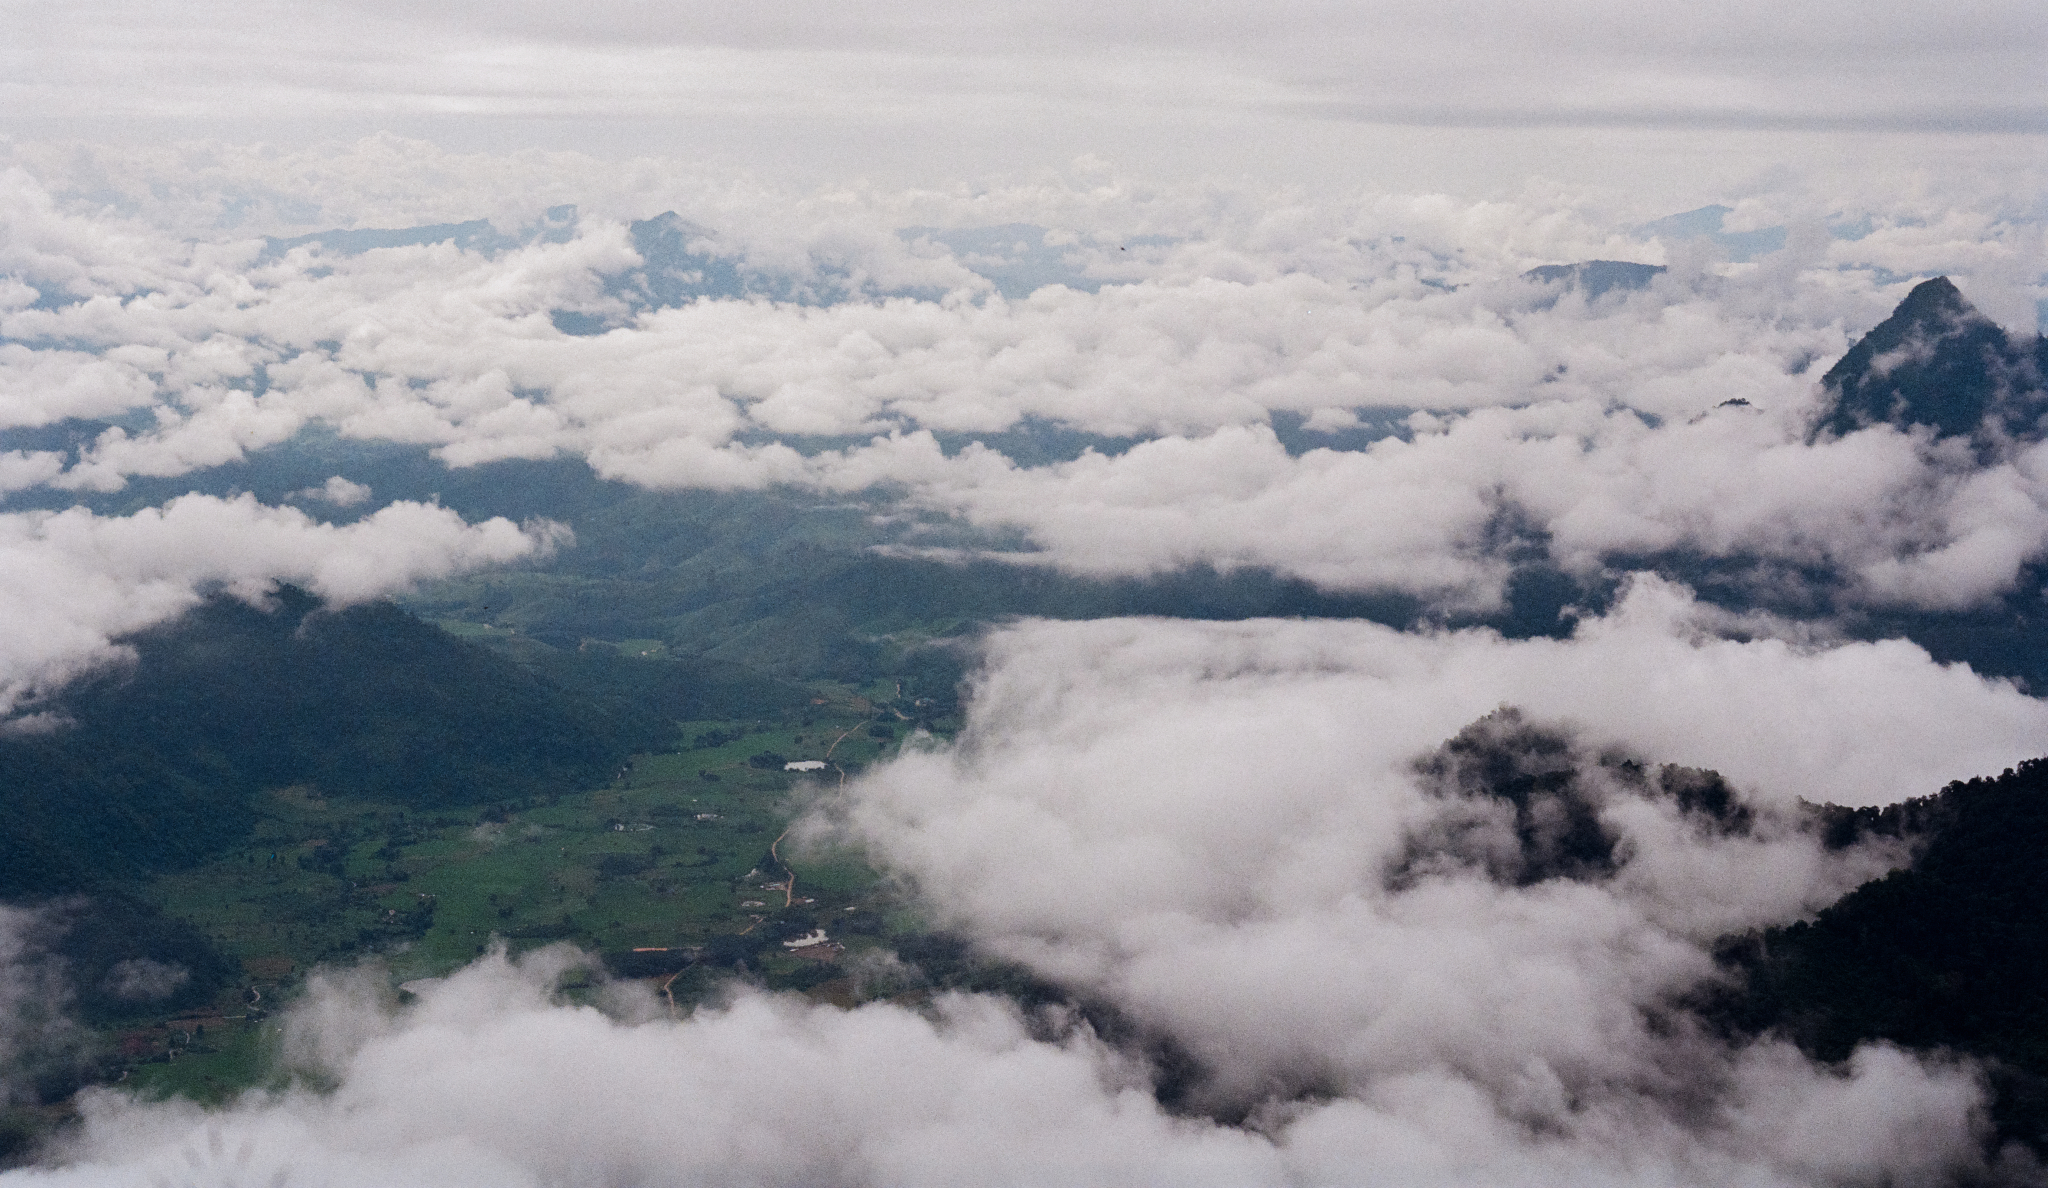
{"type": "Point", "coordinates": [1596, 278]}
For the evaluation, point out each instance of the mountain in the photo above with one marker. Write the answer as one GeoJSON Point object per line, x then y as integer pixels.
{"type": "Point", "coordinates": [1938, 362]}
{"type": "Point", "coordinates": [1949, 953]}
{"type": "Point", "coordinates": [156, 764]}
{"type": "Point", "coordinates": [682, 262]}
{"type": "Point", "coordinates": [1596, 278]}
{"type": "Point", "coordinates": [558, 225]}
{"type": "Point", "coordinates": [1707, 223]}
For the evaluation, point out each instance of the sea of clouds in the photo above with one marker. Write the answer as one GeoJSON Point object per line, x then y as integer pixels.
{"type": "Point", "coordinates": [1228, 835]}
{"type": "Point", "coordinates": [1222, 833]}
{"type": "Point", "coordinates": [1500, 408]}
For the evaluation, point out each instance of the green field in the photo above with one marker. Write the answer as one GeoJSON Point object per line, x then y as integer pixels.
{"type": "Point", "coordinates": [660, 857]}
{"type": "Point", "coordinates": [672, 858]}
{"type": "Point", "coordinates": [207, 1062]}
{"type": "Point", "coordinates": [360, 789]}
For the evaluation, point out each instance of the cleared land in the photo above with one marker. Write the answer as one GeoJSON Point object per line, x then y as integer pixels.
{"type": "Point", "coordinates": [665, 871]}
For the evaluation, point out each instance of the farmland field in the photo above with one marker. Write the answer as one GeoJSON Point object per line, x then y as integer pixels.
{"type": "Point", "coordinates": [666, 868]}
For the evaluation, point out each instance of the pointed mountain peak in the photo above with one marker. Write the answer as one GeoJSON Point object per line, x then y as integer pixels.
{"type": "Point", "coordinates": [1933, 310]}
{"type": "Point", "coordinates": [1935, 361]}
{"type": "Point", "coordinates": [1934, 302]}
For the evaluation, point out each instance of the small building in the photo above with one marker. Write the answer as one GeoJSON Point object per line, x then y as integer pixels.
{"type": "Point", "coordinates": [804, 765]}
{"type": "Point", "coordinates": [807, 940]}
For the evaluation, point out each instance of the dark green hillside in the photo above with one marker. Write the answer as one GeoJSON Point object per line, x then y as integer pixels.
{"type": "Point", "coordinates": [104, 941]}
{"type": "Point", "coordinates": [160, 758]}
{"type": "Point", "coordinates": [260, 791]}
{"type": "Point", "coordinates": [1936, 361]}
{"type": "Point", "coordinates": [366, 701]}
{"type": "Point", "coordinates": [1951, 952]}
{"type": "Point", "coordinates": [79, 812]}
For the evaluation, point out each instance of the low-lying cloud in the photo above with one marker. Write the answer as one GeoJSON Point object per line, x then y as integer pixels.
{"type": "Point", "coordinates": [490, 1080]}
{"type": "Point", "coordinates": [72, 582]}
{"type": "Point", "coordinates": [37, 1033]}
{"type": "Point", "coordinates": [1223, 830]}
{"type": "Point", "coordinates": [1254, 845]}
{"type": "Point", "coordinates": [1219, 379]}
{"type": "Point", "coordinates": [1447, 514]}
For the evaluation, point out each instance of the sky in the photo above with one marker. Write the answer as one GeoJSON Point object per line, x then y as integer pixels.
{"type": "Point", "coordinates": [1268, 263]}
{"type": "Point", "coordinates": [1471, 97]}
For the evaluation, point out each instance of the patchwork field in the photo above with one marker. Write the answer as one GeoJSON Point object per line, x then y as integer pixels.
{"type": "Point", "coordinates": [670, 871]}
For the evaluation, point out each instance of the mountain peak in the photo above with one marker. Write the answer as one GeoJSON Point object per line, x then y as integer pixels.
{"type": "Point", "coordinates": [1934, 298]}
{"type": "Point", "coordinates": [1937, 361]}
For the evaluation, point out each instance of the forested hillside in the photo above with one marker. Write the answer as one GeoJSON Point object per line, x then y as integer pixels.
{"type": "Point", "coordinates": [149, 766]}
{"type": "Point", "coordinates": [1950, 952]}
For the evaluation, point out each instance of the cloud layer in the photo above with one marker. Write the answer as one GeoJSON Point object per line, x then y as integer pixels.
{"type": "Point", "coordinates": [1364, 395]}
{"type": "Point", "coordinates": [491, 1081]}
{"type": "Point", "coordinates": [1222, 834]}
{"type": "Point", "coordinates": [1049, 82]}
{"type": "Point", "coordinates": [1247, 846]}
{"type": "Point", "coordinates": [1326, 911]}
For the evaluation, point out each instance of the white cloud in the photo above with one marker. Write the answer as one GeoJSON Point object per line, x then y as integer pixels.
{"type": "Point", "coordinates": [72, 582]}
{"type": "Point", "coordinates": [490, 1081]}
{"type": "Point", "coordinates": [1196, 824]}
{"type": "Point", "coordinates": [1202, 826]}
{"type": "Point", "coordinates": [1899, 521]}
{"type": "Point", "coordinates": [1260, 307]}
{"type": "Point", "coordinates": [1217, 830]}
{"type": "Point", "coordinates": [336, 490]}
{"type": "Point", "coordinates": [50, 385]}
{"type": "Point", "coordinates": [1207, 826]}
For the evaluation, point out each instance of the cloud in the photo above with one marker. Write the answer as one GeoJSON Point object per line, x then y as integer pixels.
{"type": "Point", "coordinates": [139, 979]}
{"type": "Point", "coordinates": [491, 1080]}
{"type": "Point", "coordinates": [1449, 513]}
{"type": "Point", "coordinates": [39, 1041]}
{"type": "Point", "coordinates": [72, 582]}
{"type": "Point", "coordinates": [1459, 1029]}
{"type": "Point", "coordinates": [1594, 432]}
{"type": "Point", "coordinates": [1395, 932]}
{"type": "Point", "coordinates": [46, 386]}
{"type": "Point", "coordinates": [1222, 830]}
{"type": "Point", "coordinates": [1250, 841]}
{"type": "Point", "coordinates": [1061, 78]}
{"type": "Point", "coordinates": [336, 490]}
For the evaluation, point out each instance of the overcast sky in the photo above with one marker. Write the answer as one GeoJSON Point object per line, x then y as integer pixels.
{"type": "Point", "coordinates": [1470, 97]}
